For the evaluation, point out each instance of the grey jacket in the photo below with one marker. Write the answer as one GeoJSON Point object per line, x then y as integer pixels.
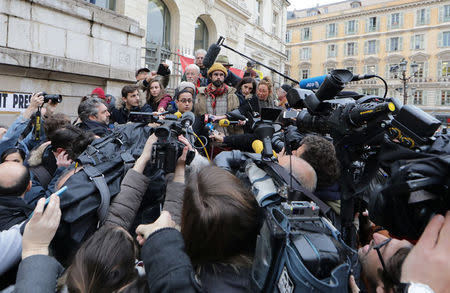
{"type": "Point", "coordinates": [38, 273]}
{"type": "Point", "coordinates": [125, 205]}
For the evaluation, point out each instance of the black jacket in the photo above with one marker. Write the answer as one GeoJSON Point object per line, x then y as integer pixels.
{"type": "Point", "coordinates": [121, 115]}
{"type": "Point", "coordinates": [97, 128]}
{"type": "Point", "coordinates": [232, 79]}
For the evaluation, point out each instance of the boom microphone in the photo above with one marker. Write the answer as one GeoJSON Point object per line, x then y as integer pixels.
{"type": "Point", "coordinates": [236, 115]}
{"type": "Point", "coordinates": [211, 55]}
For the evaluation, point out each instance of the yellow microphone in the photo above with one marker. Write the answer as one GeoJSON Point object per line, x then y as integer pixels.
{"type": "Point", "coordinates": [178, 114]}
{"type": "Point", "coordinates": [258, 147]}
{"type": "Point", "coordinates": [226, 122]}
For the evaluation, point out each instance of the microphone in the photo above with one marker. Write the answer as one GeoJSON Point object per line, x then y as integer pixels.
{"type": "Point", "coordinates": [312, 83]}
{"type": "Point", "coordinates": [187, 119]}
{"type": "Point", "coordinates": [178, 114]}
{"type": "Point", "coordinates": [236, 115]}
{"type": "Point", "coordinates": [211, 55]}
{"type": "Point", "coordinates": [258, 147]}
{"type": "Point", "coordinates": [226, 122]}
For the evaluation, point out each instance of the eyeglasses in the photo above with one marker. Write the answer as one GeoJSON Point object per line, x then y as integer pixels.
{"type": "Point", "coordinates": [185, 101]}
{"type": "Point", "coordinates": [378, 247]}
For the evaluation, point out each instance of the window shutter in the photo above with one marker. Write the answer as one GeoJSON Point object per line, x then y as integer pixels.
{"type": "Point", "coordinates": [423, 44]}
{"type": "Point", "coordinates": [417, 17]}
{"type": "Point", "coordinates": [440, 39]}
{"type": "Point", "coordinates": [346, 27]}
{"type": "Point", "coordinates": [388, 41]}
{"type": "Point", "coordinates": [425, 69]}
{"type": "Point", "coordinates": [366, 47]}
{"type": "Point", "coordinates": [336, 53]}
{"type": "Point", "coordinates": [441, 14]}
{"type": "Point", "coordinates": [412, 47]}
{"type": "Point", "coordinates": [389, 21]}
{"type": "Point", "coordinates": [386, 71]}
{"type": "Point", "coordinates": [336, 29]}
{"type": "Point", "coordinates": [328, 30]}
{"type": "Point", "coordinates": [356, 49]}
{"type": "Point", "coordinates": [424, 98]}
{"type": "Point", "coordinates": [377, 27]}
{"type": "Point", "coordinates": [346, 49]}
{"type": "Point", "coordinates": [439, 69]}
{"type": "Point", "coordinates": [377, 46]}
{"type": "Point", "coordinates": [400, 43]}
{"type": "Point", "coordinates": [427, 16]}
{"type": "Point", "coordinates": [400, 25]}
{"type": "Point", "coordinates": [356, 26]}
{"type": "Point", "coordinates": [367, 24]}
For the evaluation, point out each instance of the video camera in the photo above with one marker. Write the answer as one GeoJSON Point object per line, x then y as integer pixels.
{"type": "Point", "coordinates": [167, 150]}
{"type": "Point", "coordinates": [365, 131]}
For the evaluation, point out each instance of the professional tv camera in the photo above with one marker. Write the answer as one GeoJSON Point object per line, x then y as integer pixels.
{"type": "Point", "coordinates": [167, 150]}
{"type": "Point", "coordinates": [365, 130]}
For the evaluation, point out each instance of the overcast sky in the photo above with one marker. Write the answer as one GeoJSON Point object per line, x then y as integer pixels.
{"type": "Point", "coordinates": [301, 4]}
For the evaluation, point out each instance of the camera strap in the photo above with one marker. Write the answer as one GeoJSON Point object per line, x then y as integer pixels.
{"type": "Point", "coordinates": [286, 176]}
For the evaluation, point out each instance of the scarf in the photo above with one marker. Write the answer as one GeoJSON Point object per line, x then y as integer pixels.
{"type": "Point", "coordinates": [213, 93]}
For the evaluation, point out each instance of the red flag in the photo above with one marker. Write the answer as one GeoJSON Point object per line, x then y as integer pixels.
{"type": "Point", "coordinates": [185, 61]}
{"type": "Point", "coordinates": [238, 72]}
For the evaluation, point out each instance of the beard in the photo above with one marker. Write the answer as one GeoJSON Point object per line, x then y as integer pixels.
{"type": "Point", "coordinates": [217, 83]}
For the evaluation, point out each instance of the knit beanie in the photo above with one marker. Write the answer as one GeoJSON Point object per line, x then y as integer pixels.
{"type": "Point", "coordinates": [217, 67]}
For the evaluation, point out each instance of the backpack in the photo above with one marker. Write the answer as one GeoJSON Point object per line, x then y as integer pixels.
{"type": "Point", "coordinates": [89, 192]}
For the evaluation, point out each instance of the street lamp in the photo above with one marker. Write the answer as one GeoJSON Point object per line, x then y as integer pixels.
{"type": "Point", "coordinates": [403, 66]}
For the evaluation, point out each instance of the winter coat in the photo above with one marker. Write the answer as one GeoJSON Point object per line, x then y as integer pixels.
{"type": "Point", "coordinates": [97, 128]}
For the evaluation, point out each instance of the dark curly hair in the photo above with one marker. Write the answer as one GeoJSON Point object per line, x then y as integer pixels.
{"type": "Point", "coordinates": [321, 155]}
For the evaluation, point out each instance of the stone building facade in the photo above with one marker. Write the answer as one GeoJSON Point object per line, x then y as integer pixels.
{"type": "Point", "coordinates": [66, 47]}
{"type": "Point", "coordinates": [254, 27]}
{"type": "Point", "coordinates": [374, 37]}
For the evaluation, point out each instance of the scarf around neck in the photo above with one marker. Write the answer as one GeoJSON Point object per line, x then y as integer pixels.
{"type": "Point", "coordinates": [213, 93]}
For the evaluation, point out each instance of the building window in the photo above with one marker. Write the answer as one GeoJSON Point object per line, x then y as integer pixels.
{"type": "Point", "coordinates": [305, 73]}
{"type": "Point", "coordinates": [420, 70]}
{"type": "Point", "coordinates": [444, 68]}
{"type": "Point", "coordinates": [444, 13]}
{"type": "Point", "coordinates": [394, 21]}
{"type": "Point", "coordinates": [355, 4]}
{"type": "Point", "coordinates": [275, 23]}
{"type": "Point", "coordinates": [350, 49]}
{"type": "Point", "coordinates": [392, 71]}
{"type": "Point", "coordinates": [288, 54]}
{"type": "Point", "coordinates": [371, 47]}
{"type": "Point", "coordinates": [331, 30]}
{"type": "Point", "coordinates": [418, 97]}
{"type": "Point", "coordinates": [332, 50]}
{"type": "Point", "coordinates": [107, 4]}
{"type": "Point", "coordinates": [305, 53]}
{"type": "Point", "coordinates": [306, 34]}
{"type": "Point", "coordinates": [158, 34]}
{"type": "Point", "coordinates": [394, 44]}
{"type": "Point", "coordinates": [312, 12]}
{"type": "Point", "coordinates": [423, 16]}
{"type": "Point", "coordinates": [351, 27]}
{"type": "Point", "coordinates": [370, 92]}
{"type": "Point", "coordinates": [259, 12]}
{"type": "Point", "coordinates": [350, 68]}
{"type": "Point", "coordinates": [418, 42]}
{"type": "Point", "coordinates": [288, 36]}
{"type": "Point", "coordinates": [445, 98]}
{"type": "Point", "coordinates": [372, 24]}
{"type": "Point", "coordinates": [201, 35]}
{"type": "Point", "coordinates": [371, 69]}
{"type": "Point", "coordinates": [444, 39]}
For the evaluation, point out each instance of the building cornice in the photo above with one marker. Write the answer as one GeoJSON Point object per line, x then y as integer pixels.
{"type": "Point", "coordinates": [235, 5]}
{"type": "Point", "coordinates": [363, 12]}
{"type": "Point", "coordinates": [374, 35]}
